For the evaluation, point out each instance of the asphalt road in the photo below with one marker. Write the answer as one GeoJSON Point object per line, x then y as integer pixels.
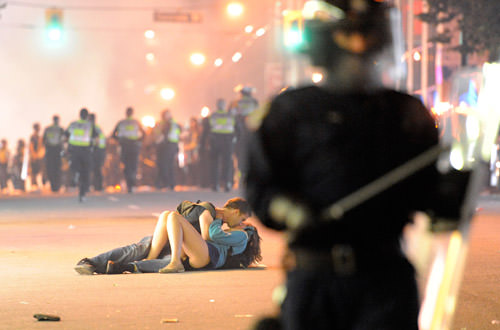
{"type": "Point", "coordinates": [42, 237]}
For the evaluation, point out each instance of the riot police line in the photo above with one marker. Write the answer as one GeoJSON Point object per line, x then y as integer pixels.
{"type": "Point", "coordinates": [204, 153]}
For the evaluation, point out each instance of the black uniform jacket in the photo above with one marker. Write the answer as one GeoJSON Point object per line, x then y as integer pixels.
{"type": "Point", "coordinates": [315, 147]}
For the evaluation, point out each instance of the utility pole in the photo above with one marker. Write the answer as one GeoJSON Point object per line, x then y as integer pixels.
{"type": "Point", "coordinates": [438, 71]}
{"type": "Point", "coordinates": [424, 74]}
{"type": "Point", "coordinates": [409, 37]}
{"type": "Point", "coordinates": [292, 65]}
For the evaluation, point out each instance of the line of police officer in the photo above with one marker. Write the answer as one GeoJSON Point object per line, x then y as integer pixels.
{"type": "Point", "coordinates": [130, 134]}
{"type": "Point", "coordinates": [86, 141]}
{"type": "Point", "coordinates": [87, 150]}
{"type": "Point", "coordinates": [225, 132]}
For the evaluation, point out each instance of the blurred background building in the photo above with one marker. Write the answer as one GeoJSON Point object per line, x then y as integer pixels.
{"type": "Point", "coordinates": [58, 56]}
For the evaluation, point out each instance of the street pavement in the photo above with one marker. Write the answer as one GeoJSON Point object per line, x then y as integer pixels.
{"type": "Point", "coordinates": [43, 236]}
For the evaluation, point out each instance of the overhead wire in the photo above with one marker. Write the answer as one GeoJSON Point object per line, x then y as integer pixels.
{"type": "Point", "coordinates": [98, 8]}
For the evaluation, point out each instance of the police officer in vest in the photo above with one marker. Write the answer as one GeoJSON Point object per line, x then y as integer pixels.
{"type": "Point", "coordinates": [98, 155]}
{"type": "Point", "coordinates": [80, 136]}
{"type": "Point", "coordinates": [314, 165]}
{"type": "Point", "coordinates": [130, 134]}
{"type": "Point", "coordinates": [53, 140]}
{"type": "Point", "coordinates": [222, 132]}
{"type": "Point", "coordinates": [241, 109]}
{"type": "Point", "coordinates": [166, 134]}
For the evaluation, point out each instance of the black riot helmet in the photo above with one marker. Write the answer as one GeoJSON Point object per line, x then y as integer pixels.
{"type": "Point", "coordinates": [327, 21]}
{"type": "Point", "coordinates": [356, 41]}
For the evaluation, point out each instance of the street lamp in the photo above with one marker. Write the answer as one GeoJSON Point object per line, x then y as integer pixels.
{"type": "Point", "coordinates": [260, 32]}
{"type": "Point", "coordinates": [149, 34]}
{"type": "Point", "coordinates": [167, 93]}
{"type": "Point", "coordinates": [235, 9]}
{"type": "Point", "coordinates": [236, 57]}
{"type": "Point", "coordinates": [205, 111]}
{"type": "Point", "coordinates": [148, 121]}
{"type": "Point", "coordinates": [317, 77]}
{"type": "Point", "coordinates": [150, 57]}
{"type": "Point", "coordinates": [197, 59]}
{"type": "Point", "coordinates": [218, 62]}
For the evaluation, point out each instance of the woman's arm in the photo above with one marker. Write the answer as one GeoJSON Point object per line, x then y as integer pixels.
{"type": "Point", "coordinates": [206, 220]}
{"type": "Point", "coordinates": [233, 238]}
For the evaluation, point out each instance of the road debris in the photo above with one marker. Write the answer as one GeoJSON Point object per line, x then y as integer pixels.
{"type": "Point", "coordinates": [47, 317]}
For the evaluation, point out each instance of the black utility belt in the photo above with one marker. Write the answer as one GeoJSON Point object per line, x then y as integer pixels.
{"type": "Point", "coordinates": [346, 260]}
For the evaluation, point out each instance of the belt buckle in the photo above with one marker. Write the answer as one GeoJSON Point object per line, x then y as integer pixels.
{"type": "Point", "coordinates": [343, 259]}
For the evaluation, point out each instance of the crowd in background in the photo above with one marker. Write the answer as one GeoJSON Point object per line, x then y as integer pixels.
{"type": "Point", "coordinates": [207, 153]}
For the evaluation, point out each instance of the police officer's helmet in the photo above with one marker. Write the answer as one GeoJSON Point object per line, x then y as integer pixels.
{"type": "Point", "coordinates": [368, 18]}
{"type": "Point", "coordinates": [129, 112]}
{"type": "Point", "coordinates": [84, 113]}
{"type": "Point", "coordinates": [221, 104]}
{"type": "Point", "coordinates": [246, 90]}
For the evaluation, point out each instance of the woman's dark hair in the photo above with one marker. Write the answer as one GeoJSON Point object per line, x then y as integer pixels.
{"type": "Point", "coordinates": [251, 253]}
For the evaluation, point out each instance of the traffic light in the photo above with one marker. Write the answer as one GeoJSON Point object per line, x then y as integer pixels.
{"type": "Point", "coordinates": [293, 29]}
{"type": "Point", "coordinates": [53, 23]}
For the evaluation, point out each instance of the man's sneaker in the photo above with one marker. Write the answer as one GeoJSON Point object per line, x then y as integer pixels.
{"type": "Point", "coordinates": [85, 267]}
{"type": "Point", "coordinates": [117, 268]}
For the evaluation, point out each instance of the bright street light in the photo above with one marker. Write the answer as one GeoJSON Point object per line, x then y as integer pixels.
{"type": "Point", "coordinates": [167, 93]}
{"type": "Point", "coordinates": [149, 34]}
{"type": "Point", "coordinates": [234, 9]}
{"type": "Point", "coordinates": [197, 58]}
{"type": "Point", "coordinates": [260, 32]}
{"type": "Point", "coordinates": [218, 62]}
{"type": "Point", "coordinates": [249, 29]}
{"type": "Point", "coordinates": [54, 34]}
{"type": "Point", "coordinates": [237, 56]}
{"type": "Point", "coordinates": [317, 77]}
{"type": "Point", "coordinates": [148, 121]}
{"type": "Point", "coordinates": [205, 111]}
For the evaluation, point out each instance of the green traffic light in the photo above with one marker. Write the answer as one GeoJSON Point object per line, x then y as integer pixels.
{"type": "Point", "coordinates": [53, 27]}
{"type": "Point", "coordinates": [294, 38]}
{"type": "Point", "coordinates": [293, 28]}
{"type": "Point", "coordinates": [54, 33]}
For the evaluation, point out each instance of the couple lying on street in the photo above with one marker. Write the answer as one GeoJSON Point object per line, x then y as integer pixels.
{"type": "Point", "coordinates": [190, 238]}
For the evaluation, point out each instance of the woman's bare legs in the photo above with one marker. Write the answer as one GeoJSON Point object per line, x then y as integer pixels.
{"type": "Point", "coordinates": [160, 236]}
{"type": "Point", "coordinates": [183, 237]}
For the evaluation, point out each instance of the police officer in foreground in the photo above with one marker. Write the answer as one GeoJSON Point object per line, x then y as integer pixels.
{"type": "Point", "coordinates": [222, 132]}
{"type": "Point", "coordinates": [53, 140]}
{"type": "Point", "coordinates": [129, 133]}
{"type": "Point", "coordinates": [80, 136]}
{"type": "Point", "coordinates": [345, 266]}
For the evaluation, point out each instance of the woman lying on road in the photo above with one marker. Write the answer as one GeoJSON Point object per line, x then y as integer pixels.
{"type": "Point", "coordinates": [200, 215]}
{"type": "Point", "coordinates": [190, 251]}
